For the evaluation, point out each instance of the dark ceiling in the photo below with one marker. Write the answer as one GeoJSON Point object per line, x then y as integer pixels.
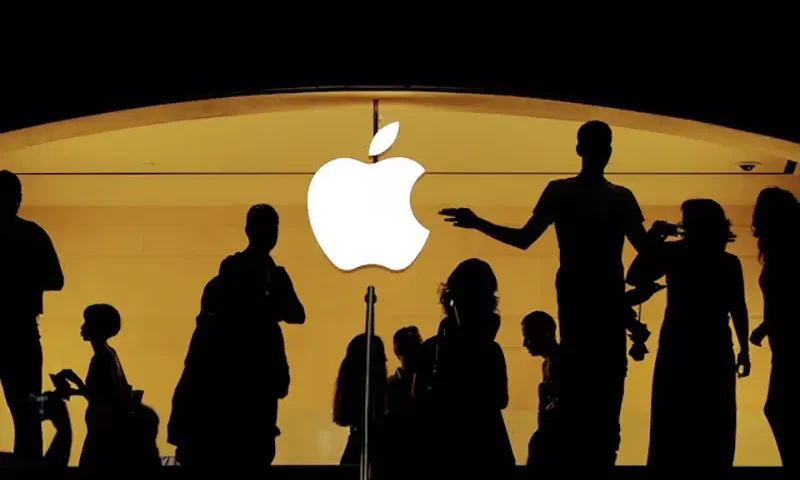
{"type": "Point", "coordinates": [766, 105]}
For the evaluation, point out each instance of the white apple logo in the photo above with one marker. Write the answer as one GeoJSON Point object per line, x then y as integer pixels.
{"type": "Point", "coordinates": [361, 214]}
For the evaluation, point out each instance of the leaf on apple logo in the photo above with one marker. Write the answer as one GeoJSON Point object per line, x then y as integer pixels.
{"type": "Point", "coordinates": [384, 139]}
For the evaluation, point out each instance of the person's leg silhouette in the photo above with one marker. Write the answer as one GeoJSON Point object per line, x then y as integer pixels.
{"type": "Point", "coordinates": [22, 377]}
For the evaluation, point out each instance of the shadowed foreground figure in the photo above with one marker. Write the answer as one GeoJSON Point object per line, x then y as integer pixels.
{"type": "Point", "coordinates": [348, 400]}
{"type": "Point", "coordinates": [693, 414]}
{"type": "Point", "coordinates": [592, 218]}
{"type": "Point", "coordinates": [776, 225]}
{"type": "Point", "coordinates": [402, 417]}
{"type": "Point", "coordinates": [539, 338]}
{"type": "Point", "coordinates": [226, 403]}
{"type": "Point", "coordinates": [462, 384]}
{"type": "Point", "coordinates": [29, 267]}
{"type": "Point", "coordinates": [110, 397]}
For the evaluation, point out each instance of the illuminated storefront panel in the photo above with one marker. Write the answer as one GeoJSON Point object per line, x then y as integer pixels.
{"type": "Point", "coordinates": [156, 208]}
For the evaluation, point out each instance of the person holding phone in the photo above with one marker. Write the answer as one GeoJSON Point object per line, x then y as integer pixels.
{"type": "Point", "coordinates": [693, 413]}
{"type": "Point", "coordinates": [109, 395]}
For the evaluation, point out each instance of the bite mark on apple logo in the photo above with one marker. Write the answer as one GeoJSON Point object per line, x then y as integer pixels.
{"type": "Point", "coordinates": [360, 213]}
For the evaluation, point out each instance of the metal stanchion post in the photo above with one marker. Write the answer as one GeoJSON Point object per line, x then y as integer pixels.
{"type": "Point", "coordinates": [370, 299]}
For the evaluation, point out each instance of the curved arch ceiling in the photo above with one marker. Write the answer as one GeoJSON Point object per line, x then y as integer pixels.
{"type": "Point", "coordinates": [448, 133]}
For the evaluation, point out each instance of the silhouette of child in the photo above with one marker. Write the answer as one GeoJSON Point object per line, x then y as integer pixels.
{"type": "Point", "coordinates": [106, 389]}
{"type": "Point", "coordinates": [539, 338]}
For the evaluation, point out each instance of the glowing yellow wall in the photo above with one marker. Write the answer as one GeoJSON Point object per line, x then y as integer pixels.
{"type": "Point", "coordinates": [152, 262]}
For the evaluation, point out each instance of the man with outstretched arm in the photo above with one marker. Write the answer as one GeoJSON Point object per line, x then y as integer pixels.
{"type": "Point", "coordinates": [592, 217]}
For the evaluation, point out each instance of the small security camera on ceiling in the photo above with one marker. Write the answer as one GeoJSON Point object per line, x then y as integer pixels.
{"type": "Point", "coordinates": [749, 166]}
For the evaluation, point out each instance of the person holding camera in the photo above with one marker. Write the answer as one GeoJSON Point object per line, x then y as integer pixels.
{"type": "Point", "coordinates": [693, 412]}
{"type": "Point", "coordinates": [29, 266]}
{"type": "Point", "coordinates": [237, 351]}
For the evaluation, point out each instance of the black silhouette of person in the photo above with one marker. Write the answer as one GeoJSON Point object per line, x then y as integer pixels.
{"type": "Point", "coordinates": [52, 407]}
{"type": "Point", "coordinates": [109, 396]}
{"type": "Point", "coordinates": [29, 266]}
{"type": "Point", "coordinates": [776, 225]}
{"type": "Point", "coordinates": [592, 218]}
{"type": "Point", "coordinates": [402, 420]}
{"type": "Point", "coordinates": [539, 338]}
{"type": "Point", "coordinates": [348, 400]}
{"type": "Point", "coordinates": [693, 412]}
{"type": "Point", "coordinates": [462, 383]}
{"type": "Point", "coordinates": [225, 405]}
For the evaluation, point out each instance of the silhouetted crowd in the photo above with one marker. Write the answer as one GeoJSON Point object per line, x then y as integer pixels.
{"type": "Point", "coordinates": [441, 410]}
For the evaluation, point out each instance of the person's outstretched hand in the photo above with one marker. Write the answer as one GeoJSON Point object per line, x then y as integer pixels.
{"type": "Point", "coordinates": [743, 364]}
{"type": "Point", "coordinates": [460, 217]}
{"type": "Point", "coordinates": [758, 335]}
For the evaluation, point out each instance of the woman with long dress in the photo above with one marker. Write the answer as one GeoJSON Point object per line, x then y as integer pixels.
{"type": "Point", "coordinates": [776, 225]}
{"type": "Point", "coordinates": [693, 411]}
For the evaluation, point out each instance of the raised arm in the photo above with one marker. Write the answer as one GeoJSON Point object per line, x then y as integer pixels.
{"type": "Point", "coordinates": [651, 263]}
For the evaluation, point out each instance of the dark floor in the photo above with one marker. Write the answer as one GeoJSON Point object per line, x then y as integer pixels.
{"type": "Point", "coordinates": [345, 473]}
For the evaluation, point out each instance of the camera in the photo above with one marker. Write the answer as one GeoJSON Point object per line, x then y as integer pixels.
{"type": "Point", "coordinates": [748, 166]}
{"type": "Point", "coordinates": [668, 229]}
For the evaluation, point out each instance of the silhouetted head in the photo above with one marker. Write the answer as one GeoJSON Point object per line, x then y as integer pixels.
{"type": "Point", "coordinates": [472, 288]}
{"type": "Point", "coordinates": [539, 333]}
{"type": "Point", "coordinates": [10, 195]}
{"type": "Point", "coordinates": [262, 227]}
{"type": "Point", "coordinates": [776, 222]}
{"type": "Point", "coordinates": [705, 225]}
{"type": "Point", "coordinates": [348, 400]}
{"type": "Point", "coordinates": [407, 341]}
{"type": "Point", "coordinates": [100, 322]}
{"type": "Point", "coordinates": [142, 436]}
{"type": "Point", "coordinates": [594, 146]}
